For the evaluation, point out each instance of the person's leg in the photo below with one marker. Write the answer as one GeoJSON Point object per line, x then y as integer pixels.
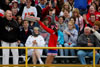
{"type": "Point", "coordinates": [81, 55]}
{"type": "Point", "coordinates": [38, 53]}
{"type": "Point", "coordinates": [21, 51]}
{"type": "Point", "coordinates": [5, 60]}
{"type": "Point", "coordinates": [15, 53]}
{"type": "Point", "coordinates": [34, 58]}
{"type": "Point", "coordinates": [49, 59]}
{"type": "Point", "coordinates": [61, 51]}
{"type": "Point", "coordinates": [66, 50]}
{"type": "Point", "coordinates": [97, 56]}
{"type": "Point", "coordinates": [72, 51]}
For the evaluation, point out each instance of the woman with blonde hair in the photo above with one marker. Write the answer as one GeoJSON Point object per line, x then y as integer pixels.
{"type": "Point", "coordinates": [78, 19]}
{"type": "Point", "coordinates": [70, 38]}
{"type": "Point", "coordinates": [65, 6]}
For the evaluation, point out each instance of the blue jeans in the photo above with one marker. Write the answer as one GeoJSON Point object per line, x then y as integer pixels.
{"type": "Point", "coordinates": [81, 55]}
{"type": "Point", "coordinates": [60, 50]}
{"type": "Point", "coordinates": [71, 50]}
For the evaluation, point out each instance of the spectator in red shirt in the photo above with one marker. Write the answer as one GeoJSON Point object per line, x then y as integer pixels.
{"type": "Point", "coordinates": [92, 10]}
{"type": "Point", "coordinates": [89, 2]}
{"type": "Point", "coordinates": [93, 19]}
{"type": "Point", "coordinates": [47, 12]}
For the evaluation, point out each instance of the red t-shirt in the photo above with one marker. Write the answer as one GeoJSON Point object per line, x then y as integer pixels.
{"type": "Point", "coordinates": [88, 17]}
{"type": "Point", "coordinates": [89, 2]}
{"type": "Point", "coordinates": [1, 14]}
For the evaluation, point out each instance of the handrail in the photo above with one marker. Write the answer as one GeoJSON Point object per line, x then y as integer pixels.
{"type": "Point", "coordinates": [26, 49]}
{"type": "Point", "coordinates": [50, 48]}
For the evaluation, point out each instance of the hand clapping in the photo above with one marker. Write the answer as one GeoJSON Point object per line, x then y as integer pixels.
{"type": "Point", "coordinates": [34, 42]}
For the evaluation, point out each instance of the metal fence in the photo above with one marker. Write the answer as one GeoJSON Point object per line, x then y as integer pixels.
{"type": "Point", "coordinates": [61, 65]}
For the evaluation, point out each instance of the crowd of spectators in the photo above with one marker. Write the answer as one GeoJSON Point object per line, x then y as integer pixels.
{"type": "Point", "coordinates": [78, 22]}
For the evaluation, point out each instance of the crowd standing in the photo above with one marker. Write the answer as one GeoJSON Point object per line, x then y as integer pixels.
{"type": "Point", "coordinates": [77, 23]}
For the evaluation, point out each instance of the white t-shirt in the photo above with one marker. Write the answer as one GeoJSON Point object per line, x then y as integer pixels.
{"type": "Point", "coordinates": [29, 11]}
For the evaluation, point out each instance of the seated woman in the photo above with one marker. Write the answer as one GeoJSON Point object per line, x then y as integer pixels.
{"type": "Point", "coordinates": [35, 40]}
{"type": "Point", "coordinates": [70, 37]}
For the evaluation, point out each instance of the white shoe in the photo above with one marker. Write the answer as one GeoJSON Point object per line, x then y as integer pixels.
{"type": "Point", "coordinates": [28, 58]}
{"type": "Point", "coordinates": [41, 63]}
{"type": "Point", "coordinates": [25, 59]}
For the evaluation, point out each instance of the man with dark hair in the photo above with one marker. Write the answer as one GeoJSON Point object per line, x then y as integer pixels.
{"type": "Point", "coordinates": [93, 19]}
{"type": "Point", "coordinates": [24, 33]}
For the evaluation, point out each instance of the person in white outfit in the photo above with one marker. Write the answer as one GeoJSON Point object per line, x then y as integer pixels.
{"type": "Point", "coordinates": [35, 40]}
{"type": "Point", "coordinates": [29, 10]}
{"type": "Point", "coordinates": [9, 36]}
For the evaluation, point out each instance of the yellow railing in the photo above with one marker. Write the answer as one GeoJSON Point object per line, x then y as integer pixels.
{"type": "Point", "coordinates": [26, 49]}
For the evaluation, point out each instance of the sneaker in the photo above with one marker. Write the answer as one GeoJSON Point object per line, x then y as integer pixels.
{"type": "Point", "coordinates": [41, 63]}
{"type": "Point", "coordinates": [24, 58]}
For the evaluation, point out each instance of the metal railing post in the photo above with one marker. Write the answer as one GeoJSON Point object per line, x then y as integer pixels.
{"type": "Point", "coordinates": [93, 57]}
{"type": "Point", "coordinates": [26, 52]}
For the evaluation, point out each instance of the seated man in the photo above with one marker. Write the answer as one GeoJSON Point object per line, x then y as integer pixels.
{"type": "Point", "coordinates": [25, 32]}
{"type": "Point", "coordinates": [87, 40]}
